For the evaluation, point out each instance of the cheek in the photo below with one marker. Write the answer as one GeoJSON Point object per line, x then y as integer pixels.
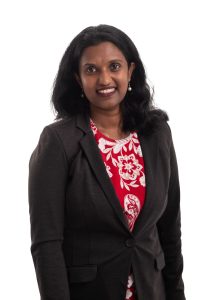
{"type": "Point", "coordinates": [88, 84]}
{"type": "Point", "coordinates": [124, 84]}
{"type": "Point", "coordinates": [123, 79]}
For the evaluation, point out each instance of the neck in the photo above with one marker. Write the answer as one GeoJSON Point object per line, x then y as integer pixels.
{"type": "Point", "coordinates": [109, 123]}
{"type": "Point", "coordinates": [107, 120]}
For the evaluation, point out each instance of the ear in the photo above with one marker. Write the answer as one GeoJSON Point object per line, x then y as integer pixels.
{"type": "Point", "coordinates": [78, 79]}
{"type": "Point", "coordinates": [131, 69]}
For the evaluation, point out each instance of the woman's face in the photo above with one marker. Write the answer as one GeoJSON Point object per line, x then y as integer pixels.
{"type": "Point", "coordinates": [104, 75]}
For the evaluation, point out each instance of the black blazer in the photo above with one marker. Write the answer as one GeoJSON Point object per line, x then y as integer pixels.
{"type": "Point", "coordinates": [81, 244]}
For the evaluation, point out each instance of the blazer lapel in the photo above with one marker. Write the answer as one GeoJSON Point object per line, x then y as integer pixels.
{"type": "Point", "coordinates": [92, 153]}
{"type": "Point", "coordinates": [149, 145]}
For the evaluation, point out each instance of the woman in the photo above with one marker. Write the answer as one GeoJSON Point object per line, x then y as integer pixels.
{"type": "Point", "coordinates": [103, 184]}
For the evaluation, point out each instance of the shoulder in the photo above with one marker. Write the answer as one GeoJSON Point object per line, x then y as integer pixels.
{"type": "Point", "coordinates": [62, 135]}
{"type": "Point", "coordinates": [61, 127]}
{"type": "Point", "coordinates": [161, 131]}
{"type": "Point", "coordinates": [65, 130]}
{"type": "Point", "coordinates": [163, 136]}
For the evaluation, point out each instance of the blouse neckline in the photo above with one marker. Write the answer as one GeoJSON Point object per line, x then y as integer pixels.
{"type": "Point", "coordinates": [122, 140]}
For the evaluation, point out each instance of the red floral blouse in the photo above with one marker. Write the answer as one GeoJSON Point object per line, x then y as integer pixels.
{"type": "Point", "coordinates": [124, 164]}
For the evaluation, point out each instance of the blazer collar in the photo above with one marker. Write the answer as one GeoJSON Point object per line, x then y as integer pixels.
{"type": "Point", "coordinates": [150, 150]}
{"type": "Point", "coordinates": [93, 155]}
{"type": "Point", "coordinates": [83, 123]}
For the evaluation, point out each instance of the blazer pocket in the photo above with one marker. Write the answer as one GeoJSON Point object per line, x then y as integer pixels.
{"type": "Point", "coordinates": [82, 273]}
{"type": "Point", "coordinates": [160, 261]}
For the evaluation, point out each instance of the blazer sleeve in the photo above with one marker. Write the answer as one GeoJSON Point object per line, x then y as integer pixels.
{"type": "Point", "coordinates": [169, 228]}
{"type": "Point", "coordinates": [48, 169]}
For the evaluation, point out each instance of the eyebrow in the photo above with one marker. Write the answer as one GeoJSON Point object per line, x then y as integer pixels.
{"type": "Point", "coordinates": [111, 61]}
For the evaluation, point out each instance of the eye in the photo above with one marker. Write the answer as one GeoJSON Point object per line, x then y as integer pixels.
{"type": "Point", "coordinates": [115, 66]}
{"type": "Point", "coordinates": [91, 69]}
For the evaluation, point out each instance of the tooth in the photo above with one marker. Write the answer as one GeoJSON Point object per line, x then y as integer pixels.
{"type": "Point", "coordinates": [106, 91]}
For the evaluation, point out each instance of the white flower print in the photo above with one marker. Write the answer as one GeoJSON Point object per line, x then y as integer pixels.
{"type": "Point", "coordinates": [128, 294]}
{"type": "Point", "coordinates": [129, 167]}
{"type": "Point", "coordinates": [120, 145]}
{"type": "Point", "coordinates": [142, 180]}
{"type": "Point", "coordinates": [108, 170]}
{"type": "Point", "coordinates": [129, 170]}
{"type": "Point", "coordinates": [139, 151]}
{"type": "Point", "coordinates": [103, 143]}
{"type": "Point", "coordinates": [130, 281]}
{"type": "Point", "coordinates": [132, 208]}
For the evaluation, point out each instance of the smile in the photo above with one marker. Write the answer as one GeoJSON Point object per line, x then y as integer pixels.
{"type": "Point", "coordinates": [106, 91]}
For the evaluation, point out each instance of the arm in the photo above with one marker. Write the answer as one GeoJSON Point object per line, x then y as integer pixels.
{"type": "Point", "coordinates": [47, 181]}
{"type": "Point", "coordinates": [169, 228]}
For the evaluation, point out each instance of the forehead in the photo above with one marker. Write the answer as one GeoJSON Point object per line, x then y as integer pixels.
{"type": "Point", "coordinates": [103, 52]}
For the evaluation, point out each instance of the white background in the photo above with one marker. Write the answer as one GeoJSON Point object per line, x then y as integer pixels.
{"type": "Point", "coordinates": [173, 41]}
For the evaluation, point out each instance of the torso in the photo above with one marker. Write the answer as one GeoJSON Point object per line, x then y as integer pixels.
{"type": "Point", "coordinates": [124, 164]}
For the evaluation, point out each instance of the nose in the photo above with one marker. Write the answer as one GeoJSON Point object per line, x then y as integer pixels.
{"type": "Point", "coordinates": [104, 78]}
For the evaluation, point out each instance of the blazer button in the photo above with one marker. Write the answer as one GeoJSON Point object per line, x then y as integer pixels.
{"type": "Point", "coordinates": [130, 243]}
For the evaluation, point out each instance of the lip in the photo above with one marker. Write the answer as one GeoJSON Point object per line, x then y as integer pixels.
{"type": "Point", "coordinates": [106, 92]}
